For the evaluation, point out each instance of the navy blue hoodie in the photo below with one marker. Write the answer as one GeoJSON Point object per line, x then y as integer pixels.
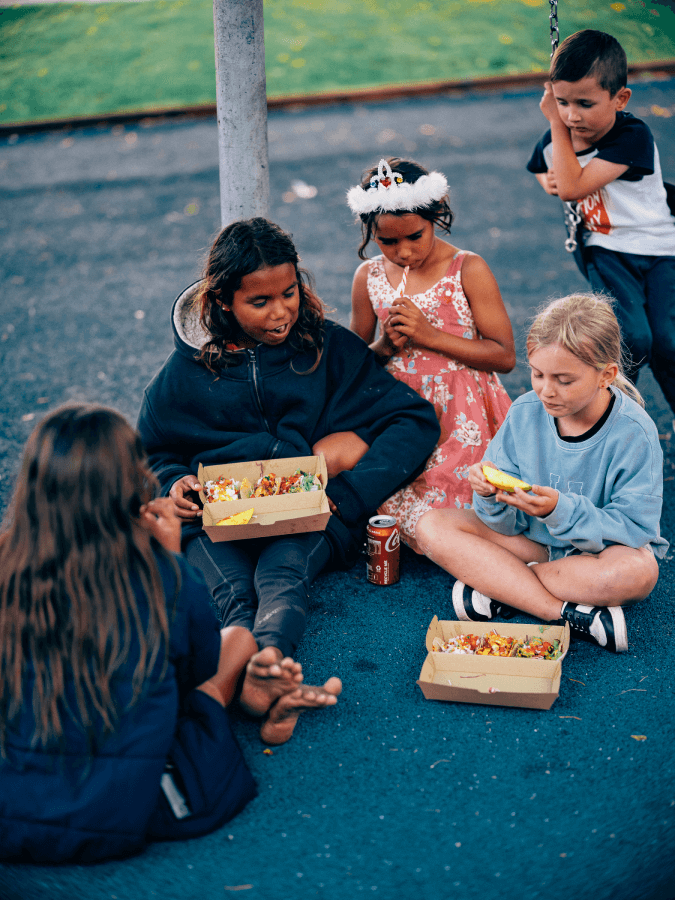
{"type": "Point", "coordinates": [264, 407]}
{"type": "Point", "coordinates": [79, 802]}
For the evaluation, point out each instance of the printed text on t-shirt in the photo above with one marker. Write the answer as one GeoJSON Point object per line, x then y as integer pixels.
{"type": "Point", "coordinates": [594, 213]}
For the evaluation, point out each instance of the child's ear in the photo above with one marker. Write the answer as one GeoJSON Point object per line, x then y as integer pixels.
{"type": "Point", "coordinates": [214, 297]}
{"type": "Point", "coordinates": [609, 374]}
{"type": "Point", "coordinates": [622, 97]}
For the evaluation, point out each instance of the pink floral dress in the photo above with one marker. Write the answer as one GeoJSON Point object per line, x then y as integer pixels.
{"type": "Point", "coordinates": [470, 405]}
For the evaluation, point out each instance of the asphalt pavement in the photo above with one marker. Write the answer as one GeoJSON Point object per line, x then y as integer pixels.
{"type": "Point", "coordinates": [100, 229]}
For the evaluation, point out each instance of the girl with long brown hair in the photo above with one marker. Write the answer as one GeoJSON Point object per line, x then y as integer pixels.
{"type": "Point", "coordinates": [104, 635]}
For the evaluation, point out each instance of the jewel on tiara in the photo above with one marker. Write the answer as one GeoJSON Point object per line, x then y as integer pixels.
{"type": "Point", "coordinates": [389, 192]}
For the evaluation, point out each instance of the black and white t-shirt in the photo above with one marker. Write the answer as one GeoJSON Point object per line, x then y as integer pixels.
{"type": "Point", "coordinates": [630, 214]}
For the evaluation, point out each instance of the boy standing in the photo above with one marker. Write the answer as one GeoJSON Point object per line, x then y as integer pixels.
{"type": "Point", "coordinates": [605, 160]}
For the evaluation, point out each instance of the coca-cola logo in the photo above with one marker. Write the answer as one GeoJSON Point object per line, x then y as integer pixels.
{"type": "Point", "coordinates": [392, 541]}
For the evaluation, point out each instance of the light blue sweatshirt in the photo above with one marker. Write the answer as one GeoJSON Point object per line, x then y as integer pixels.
{"type": "Point", "coordinates": [610, 485]}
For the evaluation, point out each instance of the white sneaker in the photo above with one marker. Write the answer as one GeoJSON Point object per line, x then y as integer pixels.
{"type": "Point", "coordinates": [472, 606]}
{"type": "Point", "coordinates": [605, 625]}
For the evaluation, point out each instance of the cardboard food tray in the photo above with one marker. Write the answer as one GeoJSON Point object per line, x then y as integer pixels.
{"type": "Point", "coordinates": [283, 514]}
{"type": "Point", "coordinates": [465, 678]}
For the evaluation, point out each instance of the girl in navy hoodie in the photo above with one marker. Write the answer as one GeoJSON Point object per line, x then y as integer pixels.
{"type": "Point", "coordinates": [105, 636]}
{"type": "Point", "coordinates": [258, 373]}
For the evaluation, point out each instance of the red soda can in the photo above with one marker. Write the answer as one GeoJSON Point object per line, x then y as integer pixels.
{"type": "Point", "coordinates": [384, 548]}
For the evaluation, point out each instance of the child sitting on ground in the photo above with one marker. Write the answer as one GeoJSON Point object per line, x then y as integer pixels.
{"type": "Point", "coordinates": [590, 522]}
{"type": "Point", "coordinates": [104, 636]}
{"type": "Point", "coordinates": [443, 329]}
{"type": "Point", "coordinates": [259, 373]}
{"type": "Point", "coordinates": [605, 159]}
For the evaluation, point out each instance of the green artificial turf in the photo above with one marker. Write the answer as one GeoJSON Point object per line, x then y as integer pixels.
{"type": "Point", "coordinates": [63, 60]}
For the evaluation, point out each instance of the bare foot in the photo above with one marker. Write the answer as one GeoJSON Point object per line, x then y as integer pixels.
{"type": "Point", "coordinates": [278, 727]}
{"type": "Point", "coordinates": [268, 676]}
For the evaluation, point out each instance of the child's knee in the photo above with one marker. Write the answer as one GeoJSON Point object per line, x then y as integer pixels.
{"type": "Point", "coordinates": [647, 574]}
{"type": "Point", "coordinates": [426, 530]}
{"type": "Point", "coordinates": [436, 526]}
{"type": "Point", "coordinates": [632, 576]}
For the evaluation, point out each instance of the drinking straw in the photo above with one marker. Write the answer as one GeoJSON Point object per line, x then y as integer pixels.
{"type": "Point", "coordinates": [401, 287]}
{"type": "Point", "coordinates": [401, 292]}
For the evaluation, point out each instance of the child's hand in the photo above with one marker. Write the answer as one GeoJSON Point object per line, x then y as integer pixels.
{"type": "Point", "coordinates": [393, 340]}
{"type": "Point", "coordinates": [478, 481]}
{"type": "Point", "coordinates": [549, 184]}
{"type": "Point", "coordinates": [184, 494]}
{"type": "Point", "coordinates": [549, 105]}
{"type": "Point", "coordinates": [159, 518]}
{"type": "Point", "coordinates": [410, 321]}
{"type": "Point", "coordinates": [540, 502]}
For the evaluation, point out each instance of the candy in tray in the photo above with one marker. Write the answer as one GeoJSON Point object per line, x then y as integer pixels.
{"type": "Point", "coordinates": [269, 485]}
{"type": "Point", "coordinates": [494, 644]}
{"type": "Point", "coordinates": [281, 496]}
{"type": "Point", "coordinates": [503, 665]}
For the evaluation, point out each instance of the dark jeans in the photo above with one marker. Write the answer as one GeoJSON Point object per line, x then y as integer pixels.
{"type": "Point", "coordinates": [263, 583]}
{"type": "Point", "coordinates": [644, 288]}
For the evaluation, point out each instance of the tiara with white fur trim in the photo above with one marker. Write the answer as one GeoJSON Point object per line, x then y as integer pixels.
{"type": "Point", "coordinates": [388, 192]}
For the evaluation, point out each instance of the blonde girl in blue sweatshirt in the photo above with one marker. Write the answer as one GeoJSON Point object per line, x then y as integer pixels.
{"type": "Point", "coordinates": [583, 542]}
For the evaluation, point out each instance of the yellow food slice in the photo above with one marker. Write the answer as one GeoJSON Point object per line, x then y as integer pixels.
{"type": "Point", "coordinates": [245, 489]}
{"type": "Point", "coordinates": [242, 518]}
{"type": "Point", "coordinates": [503, 481]}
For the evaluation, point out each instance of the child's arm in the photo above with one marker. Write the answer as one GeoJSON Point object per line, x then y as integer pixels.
{"type": "Point", "coordinates": [160, 519]}
{"type": "Point", "coordinates": [631, 514]}
{"type": "Point", "coordinates": [397, 428]}
{"type": "Point", "coordinates": [364, 320]}
{"type": "Point", "coordinates": [547, 181]}
{"type": "Point", "coordinates": [571, 180]}
{"type": "Point", "coordinates": [494, 352]}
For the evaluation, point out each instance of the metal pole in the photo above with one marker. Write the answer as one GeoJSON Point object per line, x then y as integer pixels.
{"type": "Point", "coordinates": [241, 98]}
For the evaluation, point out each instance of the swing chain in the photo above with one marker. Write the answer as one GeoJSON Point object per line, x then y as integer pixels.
{"type": "Point", "coordinates": [572, 220]}
{"type": "Point", "coordinates": [553, 19]}
{"type": "Point", "coordinates": [572, 217]}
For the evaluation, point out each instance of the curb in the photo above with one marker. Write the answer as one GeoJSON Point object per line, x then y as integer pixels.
{"type": "Point", "coordinates": [658, 69]}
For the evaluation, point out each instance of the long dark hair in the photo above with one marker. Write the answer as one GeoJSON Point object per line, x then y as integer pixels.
{"type": "Point", "coordinates": [438, 211]}
{"type": "Point", "coordinates": [240, 249]}
{"type": "Point", "coordinates": [69, 548]}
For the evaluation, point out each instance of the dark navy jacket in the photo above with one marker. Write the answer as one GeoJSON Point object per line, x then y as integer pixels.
{"type": "Point", "coordinates": [265, 408]}
{"type": "Point", "coordinates": [69, 804]}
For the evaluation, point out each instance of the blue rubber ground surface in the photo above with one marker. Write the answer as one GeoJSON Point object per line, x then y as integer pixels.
{"type": "Point", "coordinates": [387, 794]}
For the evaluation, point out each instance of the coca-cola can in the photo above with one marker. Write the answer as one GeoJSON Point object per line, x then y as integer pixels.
{"type": "Point", "coordinates": [384, 548]}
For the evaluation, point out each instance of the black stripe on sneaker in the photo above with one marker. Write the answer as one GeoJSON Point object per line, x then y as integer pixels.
{"type": "Point", "coordinates": [467, 596]}
{"type": "Point", "coordinates": [615, 629]}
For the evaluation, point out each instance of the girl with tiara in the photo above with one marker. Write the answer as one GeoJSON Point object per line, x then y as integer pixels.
{"type": "Point", "coordinates": [444, 330]}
